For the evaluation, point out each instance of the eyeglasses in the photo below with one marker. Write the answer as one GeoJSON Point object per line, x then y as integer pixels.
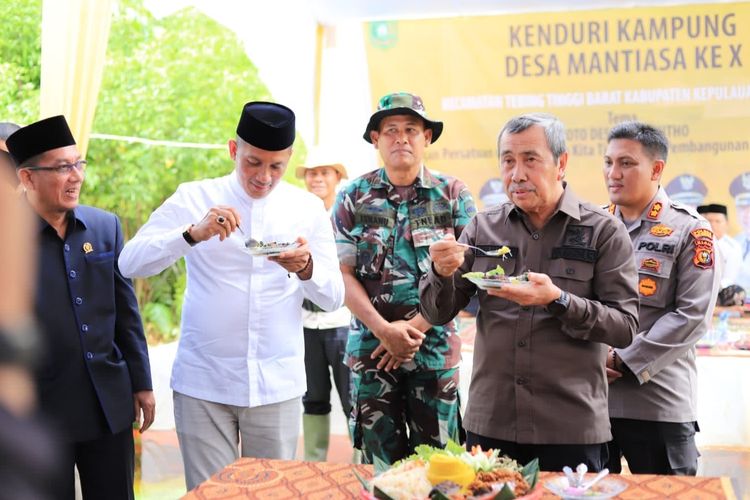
{"type": "Point", "coordinates": [65, 168]}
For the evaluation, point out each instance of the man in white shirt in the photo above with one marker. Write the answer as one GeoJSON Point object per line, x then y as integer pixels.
{"type": "Point", "coordinates": [239, 372]}
{"type": "Point", "coordinates": [325, 332]}
{"type": "Point", "coordinates": [740, 191]}
{"type": "Point", "coordinates": [729, 250]}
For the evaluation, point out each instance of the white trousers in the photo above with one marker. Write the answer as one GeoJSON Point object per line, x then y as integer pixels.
{"type": "Point", "coordinates": [210, 434]}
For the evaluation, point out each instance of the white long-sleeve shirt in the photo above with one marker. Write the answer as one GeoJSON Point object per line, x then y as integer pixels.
{"type": "Point", "coordinates": [241, 341]}
{"type": "Point", "coordinates": [731, 259]}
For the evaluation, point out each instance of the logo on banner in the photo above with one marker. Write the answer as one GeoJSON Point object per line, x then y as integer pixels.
{"type": "Point", "coordinates": [383, 34]}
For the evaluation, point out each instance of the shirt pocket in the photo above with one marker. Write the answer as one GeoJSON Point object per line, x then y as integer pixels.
{"type": "Point", "coordinates": [426, 236]}
{"type": "Point", "coordinates": [372, 246]}
{"type": "Point", "coordinates": [573, 276]}
{"type": "Point", "coordinates": [654, 271]}
{"type": "Point", "coordinates": [95, 258]}
{"type": "Point", "coordinates": [422, 238]}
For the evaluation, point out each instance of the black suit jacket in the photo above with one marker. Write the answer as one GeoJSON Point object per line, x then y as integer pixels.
{"type": "Point", "coordinates": [95, 350]}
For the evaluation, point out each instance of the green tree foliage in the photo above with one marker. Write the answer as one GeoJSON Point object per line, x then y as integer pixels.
{"type": "Point", "coordinates": [183, 78]}
{"type": "Point", "coordinates": [20, 60]}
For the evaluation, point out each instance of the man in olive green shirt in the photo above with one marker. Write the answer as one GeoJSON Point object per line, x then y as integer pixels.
{"type": "Point", "coordinates": [538, 386]}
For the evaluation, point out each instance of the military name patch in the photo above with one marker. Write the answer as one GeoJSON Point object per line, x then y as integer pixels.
{"type": "Point", "coordinates": [703, 241]}
{"type": "Point", "coordinates": [651, 264]}
{"type": "Point", "coordinates": [432, 220]}
{"type": "Point", "coordinates": [661, 230]}
{"type": "Point", "coordinates": [647, 287]}
{"type": "Point", "coordinates": [374, 220]}
{"type": "Point", "coordinates": [575, 253]}
{"type": "Point", "coordinates": [655, 210]}
{"type": "Point", "coordinates": [655, 246]}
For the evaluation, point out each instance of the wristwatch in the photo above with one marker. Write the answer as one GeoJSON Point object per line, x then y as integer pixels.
{"type": "Point", "coordinates": [189, 239]}
{"type": "Point", "coordinates": [560, 305]}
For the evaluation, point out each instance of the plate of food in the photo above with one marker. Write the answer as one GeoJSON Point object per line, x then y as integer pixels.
{"type": "Point", "coordinates": [269, 249]}
{"type": "Point", "coordinates": [495, 278]}
{"type": "Point", "coordinates": [454, 473]}
{"type": "Point", "coordinates": [606, 488]}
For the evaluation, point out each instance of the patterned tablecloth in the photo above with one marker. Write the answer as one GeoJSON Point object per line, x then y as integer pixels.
{"type": "Point", "coordinates": [262, 478]}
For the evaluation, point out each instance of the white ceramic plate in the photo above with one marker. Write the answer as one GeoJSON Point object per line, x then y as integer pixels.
{"type": "Point", "coordinates": [272, 249]}
{"type": "Point", "coordinates": [484, 283]}
{"type": "Point", "coordinates": [606, 488]}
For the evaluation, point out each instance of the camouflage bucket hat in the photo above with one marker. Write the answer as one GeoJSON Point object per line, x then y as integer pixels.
{"type": "Point", "coordinates": [402, 103]}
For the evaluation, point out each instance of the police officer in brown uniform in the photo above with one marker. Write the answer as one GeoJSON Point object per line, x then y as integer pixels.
{"type": "Point", "coordinates": [652, 397]}
{"type": "Point", "coordinates": [538, 387]}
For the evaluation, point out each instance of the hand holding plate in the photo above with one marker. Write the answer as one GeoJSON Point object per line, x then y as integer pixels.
{"type": "Point", "coordinates": [540, 291]}
{"type": "Point", "coordinates": [295, 260]}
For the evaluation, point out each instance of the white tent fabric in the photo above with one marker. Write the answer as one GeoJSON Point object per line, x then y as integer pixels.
{"type": "Point", "coordinates": [280, 39]}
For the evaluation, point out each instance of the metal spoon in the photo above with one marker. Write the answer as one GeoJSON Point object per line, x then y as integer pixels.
{"type": "Point", "coordinates": [498, 252]}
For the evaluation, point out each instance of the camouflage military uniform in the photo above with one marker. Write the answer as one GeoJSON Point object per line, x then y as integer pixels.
{"type": "Point", "coordinates": [384, 233]}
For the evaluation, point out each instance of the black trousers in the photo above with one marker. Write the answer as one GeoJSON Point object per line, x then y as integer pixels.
{"type": "Point", "coordinates": [29, 458]}
{"type": "Point", "coordinates": [105, 466]}
{"type": "Point", "coordinates": [654, 447]}
{"type": "Point", "coordinates": [552, 457]}
{"type": "Point", "coordinates": [324, 348]}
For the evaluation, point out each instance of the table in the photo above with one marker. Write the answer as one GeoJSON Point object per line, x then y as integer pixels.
{"type": "Point", "coordinates": [266, 478]}
{"type": "Point", "coordinates": [724, 388]}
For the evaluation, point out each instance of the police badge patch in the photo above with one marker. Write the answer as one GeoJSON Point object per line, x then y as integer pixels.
{"type": "Point", "coordinates": [647, 287]}
{"type": "Point", "coordinates": [661, 230]}
{"type": "Point", "coordinates": [651, 264]}
{"type": "Point", "coordinates": [703, 241]}
{"type": "Point", "coordinates": [654, 211]}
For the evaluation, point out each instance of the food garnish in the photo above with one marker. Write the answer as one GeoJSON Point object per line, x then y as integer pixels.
{"type": "Point", "coordinates": [455, 473]}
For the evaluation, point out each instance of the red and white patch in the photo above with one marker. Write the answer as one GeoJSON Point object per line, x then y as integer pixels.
{"type": "Point", "coordinates": [703, 242]}
{"type": "Point", "coordinates": [651, 264]}
{"type": "Point", "coordinates": [655, 210]}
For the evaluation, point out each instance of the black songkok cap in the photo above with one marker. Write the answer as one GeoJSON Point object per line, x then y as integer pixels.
{"type": "Point", "coordinates": [713, 208]}
{"type": "Point", "coordinates": [267, 125]}
{"type": "Point", "coordinates": [39, 137]}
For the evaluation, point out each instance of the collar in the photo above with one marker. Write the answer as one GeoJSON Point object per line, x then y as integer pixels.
{"type": "Point", "coordinates": [654, 211]}
{"type": "Point", "coordinates": [569, 204]}
{"type": "Point", "coordinates": [657, 207]}
{"type": "Point", "coordinates": [75, 217]}
{"type": "Point", "coordinates": [425, 179]}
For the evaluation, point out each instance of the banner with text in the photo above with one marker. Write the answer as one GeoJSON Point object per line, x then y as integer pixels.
{"type": "Point", "coordinates": [681, 68]}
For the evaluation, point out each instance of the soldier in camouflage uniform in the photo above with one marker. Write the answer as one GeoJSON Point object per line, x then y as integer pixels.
{"type": "Point", "coordinates": [404, 370]}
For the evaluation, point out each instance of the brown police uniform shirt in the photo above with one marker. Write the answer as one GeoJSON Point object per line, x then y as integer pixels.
{"type": "Point", "coordinates": [678, 285]}
{"type": "Point", "coordinates": [537, 378]}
